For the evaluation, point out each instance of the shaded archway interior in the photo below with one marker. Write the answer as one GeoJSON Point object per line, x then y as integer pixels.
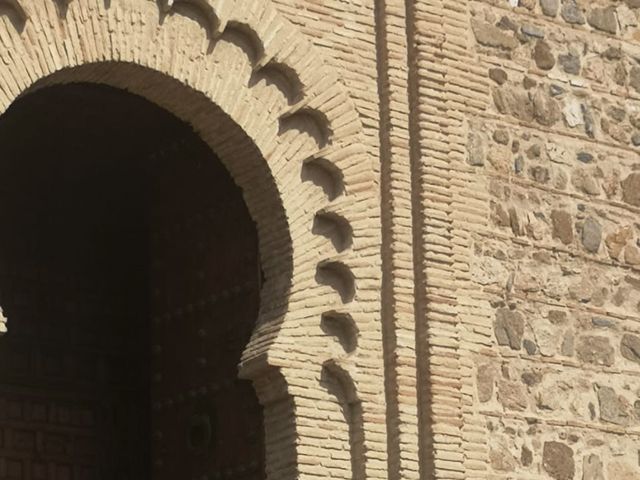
{"type": "Point", "coordinates": [130, 277]}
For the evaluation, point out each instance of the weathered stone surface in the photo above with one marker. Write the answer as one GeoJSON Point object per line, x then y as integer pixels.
{"type": "Point", "coordinates": [612, 409]}
{"type": "Point", "coordinates": [530, 346]}
{"type": "Point", "coordinates": [506, 23]}
{"type": "Point", "coordinates": [485, 379]}
{"type": "Point", "coordinates": [616, 113]}
{"type": "Point", "coordinates": [534, 151]}
{"type": "Point", "coordinates": [589, 128]}
{"type": "Point", "coordinates": [501, 136]}
{"type": "Point", "coordinates": [498, 75]}
{"type": "Point", "coordinates": [532, 31]}
{"type": "Point", "coordinates": [570, 63]}
{"type": "Point", "coordinates": [590, 185]}
{"type": "Point", "coordinates": [547, 339]}
{"type": "Point", "coordinates": [626, 17]}
{"type": "Point", "coordinates": [560, 180]}
{"type": "Point", "coordinates": [531, 378]}
{"type": "Point", "coordinates": [633, 281]}
{"type": "Point", "coordinates": [528, 4]}
{"type": "Point", "coordinates": [631, 189]}
{"type": "Point", "coordinates": [630, 347]}
{"type": "Point", "coordinates": [595, 350]}
{"type": "Point", "coordinates": [620, 470]}
{"type": "Point", "coordinates": [509, 328]}
{"type": "Point", "coordinates": [568, 345]}
{"type": "Point", "coordinates": [557, 317]}
{"type": "Point", "coordinates": [539, 174]}
{"type": "Point", "coordinates": [601, 322]}
{"type": "Point", "coordinates": [573, 113]}
{"type": "Point", "coordinates": [518, 164]}
{"type": "Point", "coordinates": [550, 7]}
{"type": "Point", "coordinates": [612, 53]}
{"type": "Point", "coordinates": [632, 3]}
{"type": "Point", "coordinates": [492, 36]}
{"type": "Point", "coordinates": [512, 395]}
{"type": "Point", "coordinates": [562, 226]}
{"type": "Point", "coordinates": [528, 83]}
{"type": "Point", "coordinates": [621, 295]}
{"type": "Point", "coordinates": [543, 56]}
{"type": "Point", "coordinates": [526, 456]}
{"type": "Point", "coordinates": [545, 108]}
{"type": "Point", "coordinates": [604, 19]}
{"type": "Point", "coordinates": [513, 102]}
{"type": "Point", "coordinates": [634, 78]}
{"type": "Point", "coordinates": [557, 460]}
{"type": "Point", "coordinates": [584, 157]}
{"type": "Point", "coordinates": [501, 215]}
{"type": "Point", "coordinates": [476, 148]}
{"type": "Point", "coordinates": [572, 13]}
{"type": "Point", "coordinates": [620, 74]}
{"type": "Point", "coordinates": [617, 240]}
{"type": "Point", "coordinates": [516, 221]}
{"type": "Point", "coordinates": [591, 235]}
{"type": "Point", "coordinates": [632, 255]}
{"type": "Point", "coordinates": [501, 458]}
{"type": "Point", "coordinates": [618, 132]}
{"type": "Point", "coordinates": [592, 468]}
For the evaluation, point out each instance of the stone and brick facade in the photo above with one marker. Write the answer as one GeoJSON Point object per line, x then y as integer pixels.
{"type": "Point", "coordinates": [446, 198]}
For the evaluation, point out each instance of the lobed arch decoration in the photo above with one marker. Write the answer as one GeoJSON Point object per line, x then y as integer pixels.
{"type": "Point", "coordinates": [254, 88]}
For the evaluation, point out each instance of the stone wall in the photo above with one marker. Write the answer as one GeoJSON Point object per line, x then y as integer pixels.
{"type": "Point", "coordinates": [558, 380]}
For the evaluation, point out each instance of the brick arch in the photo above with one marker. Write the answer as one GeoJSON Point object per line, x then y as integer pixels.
{"type": "Point", "coordinates": [256, 90]}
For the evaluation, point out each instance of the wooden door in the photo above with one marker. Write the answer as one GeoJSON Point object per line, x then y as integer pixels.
{"type": "Point", "coordinates": [204, 301]}
{"type": "Point", "coordinates": [127, 319]}
{"type": "Point", "coordinates": [73, 366]}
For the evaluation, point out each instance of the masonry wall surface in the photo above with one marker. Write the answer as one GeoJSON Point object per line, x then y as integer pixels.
{"type": "Point", "coordinates": [554, 150]}
{"type": "Point", "coordinates": [507, 139]}
{"type": "Point", "coordinates": [496, 253]}
{"type": "Point", "coordinates": [539, 193]}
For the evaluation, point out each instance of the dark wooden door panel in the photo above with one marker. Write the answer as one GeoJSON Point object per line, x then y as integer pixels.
{"type": "Point", "coordinates": [131, 286]}
{"type": "Point", "coordinates": [205, 293]}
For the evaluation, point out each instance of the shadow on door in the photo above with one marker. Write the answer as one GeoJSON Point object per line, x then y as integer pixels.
{"type": "Point", "coordinates": [129, 274]}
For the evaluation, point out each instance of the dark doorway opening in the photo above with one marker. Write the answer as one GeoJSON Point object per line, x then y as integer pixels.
{"type": "Point", "coordinates": [129, 274]}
